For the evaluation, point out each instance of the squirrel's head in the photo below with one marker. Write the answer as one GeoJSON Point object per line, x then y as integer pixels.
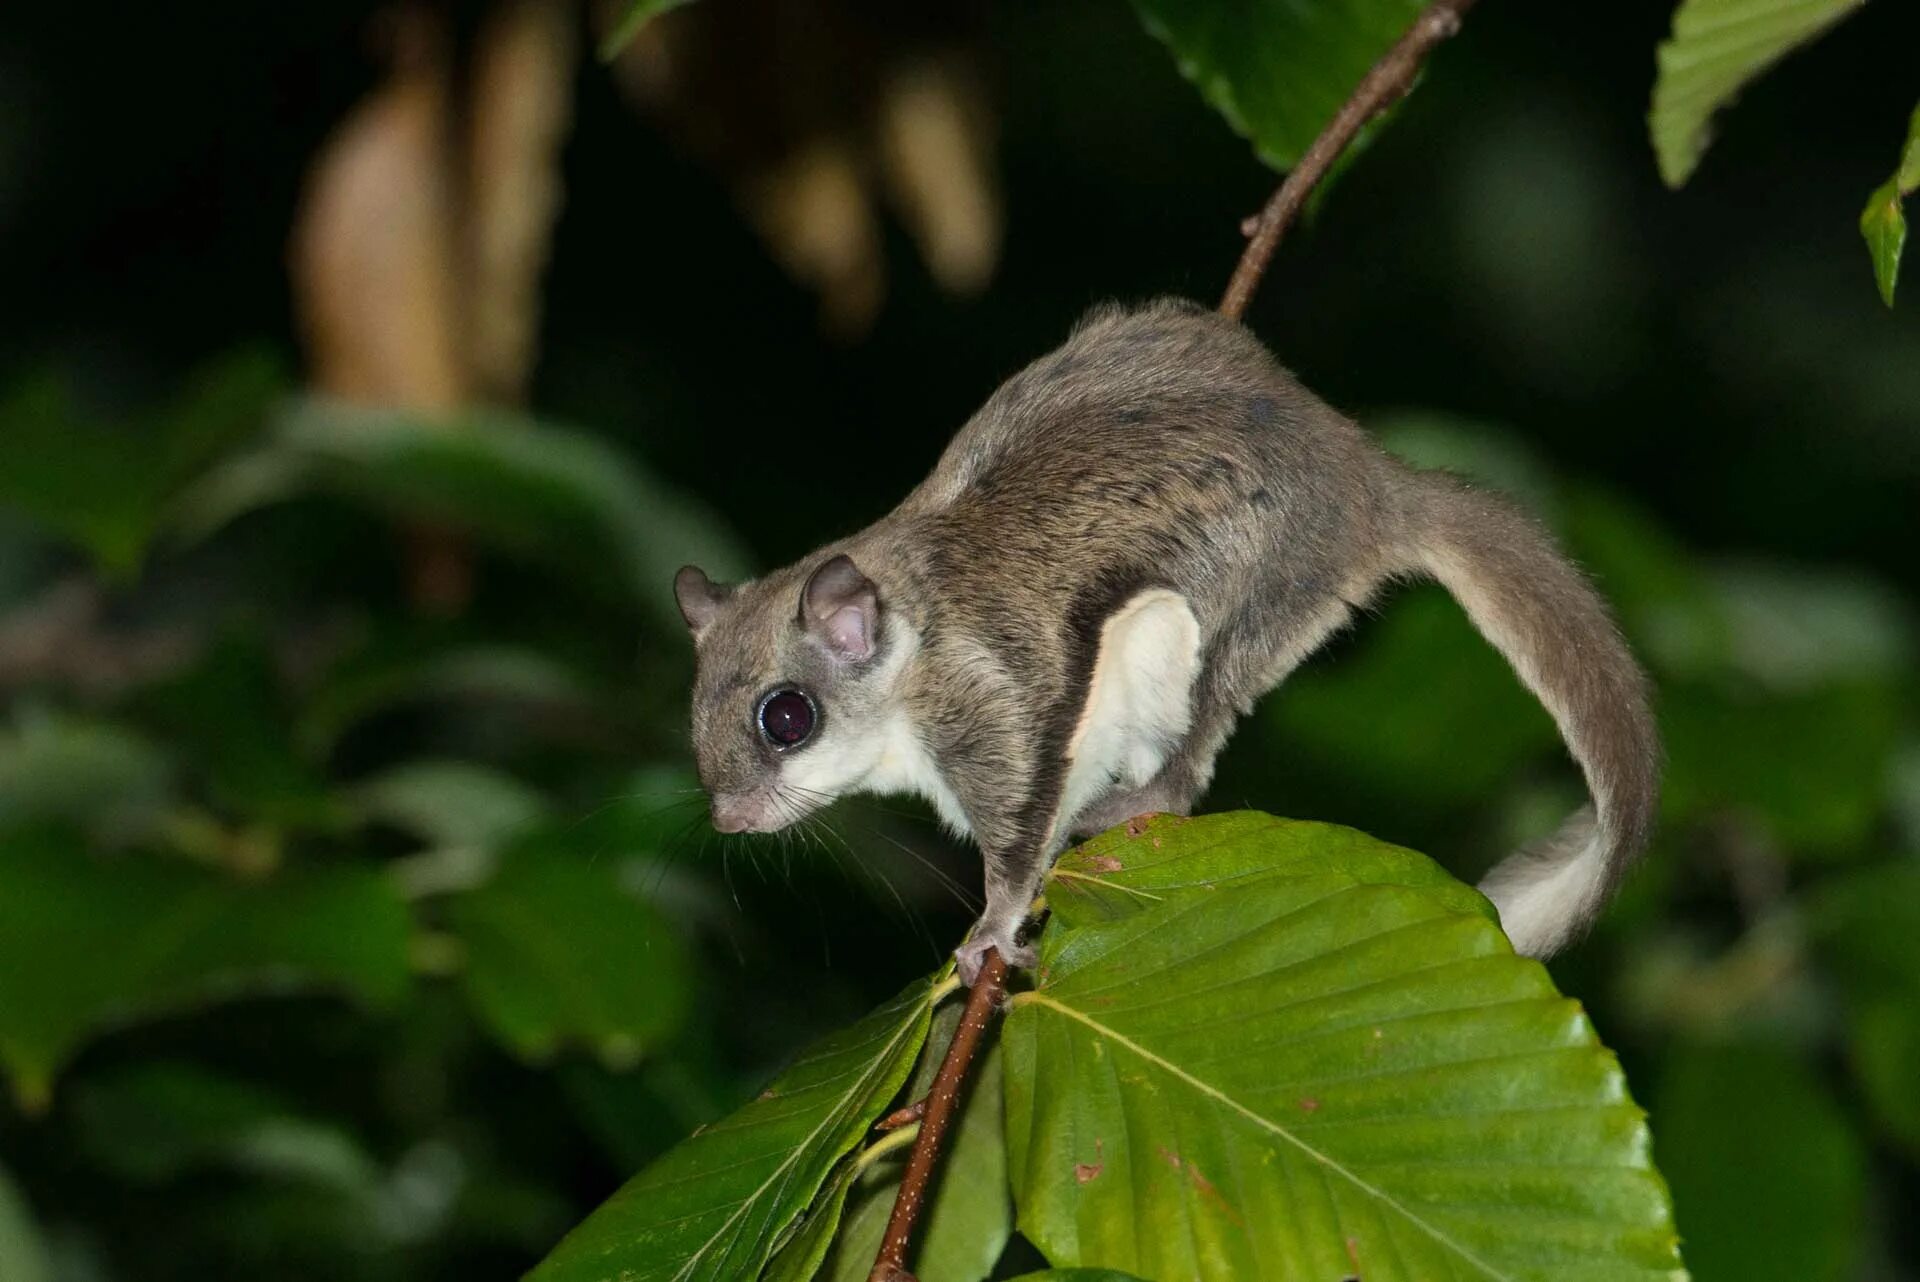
{"type": "Point", "coordinates": [794, 677]}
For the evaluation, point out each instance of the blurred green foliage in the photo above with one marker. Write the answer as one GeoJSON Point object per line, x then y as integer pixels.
{"type": "Point", "coordinates": [344, 938]}
{"type": "Point", "coordinates": [1753, 1109]}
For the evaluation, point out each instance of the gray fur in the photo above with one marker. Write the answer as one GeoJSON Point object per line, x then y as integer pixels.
{"type": "Point", "coordinates": [1161, 446]}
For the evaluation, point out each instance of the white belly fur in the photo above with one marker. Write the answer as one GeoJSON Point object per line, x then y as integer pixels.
{"type": "Point", "coordinates": [1139, 702]}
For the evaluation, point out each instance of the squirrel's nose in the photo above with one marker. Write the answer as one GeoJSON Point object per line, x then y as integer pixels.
{"type": "Point", "coordinates": [731, 814]}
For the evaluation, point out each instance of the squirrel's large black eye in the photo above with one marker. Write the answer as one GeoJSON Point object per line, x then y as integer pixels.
{"type": "Point", "coordinates": [786, 717]}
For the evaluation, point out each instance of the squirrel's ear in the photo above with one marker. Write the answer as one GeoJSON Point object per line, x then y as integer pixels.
{"type": "Point", "coordinates": [700, 598]}
{"type": "Point", "coordinates": [841, 608]}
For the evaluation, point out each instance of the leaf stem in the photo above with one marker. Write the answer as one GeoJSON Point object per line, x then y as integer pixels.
{"type": "Point", "coordinates": [1385, 83]}
{"type": "Point", "coordinates": [890, 1265]}
{"type": "Point", "coordinates": [894, 1139]}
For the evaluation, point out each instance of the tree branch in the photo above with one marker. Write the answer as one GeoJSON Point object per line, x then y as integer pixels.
{"type": "Point", "coordinates": [891, 1264]}
{"type": "Point", "coordinates": [1382, 86]}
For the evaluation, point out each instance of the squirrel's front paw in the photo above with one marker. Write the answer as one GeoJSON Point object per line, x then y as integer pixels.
{"type": "Point", "coordinates": [972, 955]}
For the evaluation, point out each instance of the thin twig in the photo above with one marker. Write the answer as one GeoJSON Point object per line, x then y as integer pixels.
{"type": "Point", "coordinates": [1382, 86]}
{"type": "Point", "coordinates": [891, 1264]}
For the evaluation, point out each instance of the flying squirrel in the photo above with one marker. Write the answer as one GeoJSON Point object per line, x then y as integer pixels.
{"type": "Point", "coordinates": [1134, 539]}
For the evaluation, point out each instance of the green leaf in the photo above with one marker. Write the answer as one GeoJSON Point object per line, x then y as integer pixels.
{"type": "Point", "coordinates": [87, 944]}
{"type": "Point", "coordinates": [104, 486]}
{"type": "Point", "coordinates": [551, 494]}
{"type": "Point", "coordinates": [638, 14]}
{"type": "Point", "coordinates": [1867, 924]}
{"type": "Point", "coordinates": [1883, 1039]}
{"type": "Point", "coordinates": [1908, 174]}
{"type": "Point", "coordinates": [970, 1217]}
{"type": "Point", "coordinates": [965, 1228]}
{"type": "Point", "coordinates": [1277, 72]}
{"type": "Point", "coordinates": [1883, 223]}
{"type": "Point", "coordinates": [1884, 226]}
{"type": "Point", "coordinates": [1794, 628]}
{"type": "Point", "coordinates": [23, 1253]}
{"type": "Point", "coordinates": [1717, 48]}
{"type": "Point", "coordinates": [1810, 767]}
{"type": "Point", "coordinates": [1316, 1077]}
{"type": "Point", "coordinates": [1768, 1179]}
{"type": "Point", "coordinates": [716, 1207]}
{"type": "Point", "coordinates": [100, 777]}
{"type": "Point", "coordinates": [154, 1122]}
{"type": "Point", "coordinates": [402, 671]}
{"type": "Point", "coordinates": [450, 803]}
{"type": "Point", "coordinates": [227, 715]}
{"type": "Point", "coordinates": [558, 951]}
{"type": "Point", "coordinates": [805, 1252]}
{"type": "Point", "coordinates": [1141, 865]}
{"type": "Point", "coordinates": [1795, 717]}
{"type": "Point", "coordinates": [1865, 928]}
{"type": "Point", "coordinates": [1077, 1275]}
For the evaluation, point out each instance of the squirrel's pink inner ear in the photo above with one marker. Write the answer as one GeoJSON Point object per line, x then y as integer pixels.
{"type": "Point", "coordinates": [841, 608]}
{"type": "Point", "coordinates": [847, 632]}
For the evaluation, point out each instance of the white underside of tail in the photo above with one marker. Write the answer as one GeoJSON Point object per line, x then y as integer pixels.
{"type": "Point", "coordinates": [1547, 893]}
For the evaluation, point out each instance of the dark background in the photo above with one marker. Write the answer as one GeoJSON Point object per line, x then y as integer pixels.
{"type": "Point", "coordinates": [1507, 251]}
{"type": "Point", "coordinates": [1703, 385]}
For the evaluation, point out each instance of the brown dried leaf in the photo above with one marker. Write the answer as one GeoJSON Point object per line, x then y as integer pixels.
{"type": "Point", "coordinates": [521, 98]}
{"type": "Point", "coordinates": [807, 112]}
{"type": "Point", "coordinates": [936, 149]}
{"type": "Point", "coordinates": [371, 251]}
{"type": "Point", "coordinates": [814, 213]}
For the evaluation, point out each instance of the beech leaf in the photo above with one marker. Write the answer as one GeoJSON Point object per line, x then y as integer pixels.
{"type": "Point", "coordinates": [1311, 1073]}
{"type": "Point", "coordinates": [1716, 49]}
{"type": "Point", "coordinates": [718, 1205]}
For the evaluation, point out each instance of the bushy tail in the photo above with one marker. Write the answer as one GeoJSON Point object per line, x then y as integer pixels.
{"type": "Point", "coordinates": [1546, 619]}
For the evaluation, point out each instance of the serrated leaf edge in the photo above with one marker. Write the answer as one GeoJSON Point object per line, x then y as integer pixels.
{"type": "Point", "coordinates": [1684, 50]}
